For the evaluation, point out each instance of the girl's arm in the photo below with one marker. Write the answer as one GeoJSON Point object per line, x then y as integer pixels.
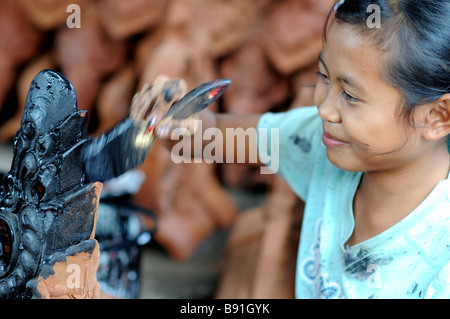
{"type": "Point", "coordinates": [224, 138]}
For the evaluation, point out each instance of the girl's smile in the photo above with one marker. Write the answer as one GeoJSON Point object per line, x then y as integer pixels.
{"type": "Point", "coordinates": [331, 142]}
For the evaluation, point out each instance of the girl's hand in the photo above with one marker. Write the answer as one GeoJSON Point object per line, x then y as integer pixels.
{"type": "Point", "coordinates": [154, 100]}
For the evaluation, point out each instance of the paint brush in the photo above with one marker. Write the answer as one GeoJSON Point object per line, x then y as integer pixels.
{"type": "Point", "coordinates": [127, 144]}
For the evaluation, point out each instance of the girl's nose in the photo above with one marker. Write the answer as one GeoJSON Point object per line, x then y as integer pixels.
{"type": "Point", "coordinates": [328, 110]}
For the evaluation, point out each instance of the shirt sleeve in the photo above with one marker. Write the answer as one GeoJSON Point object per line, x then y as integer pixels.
{"type": "Point", "coordinates": [289, 144]}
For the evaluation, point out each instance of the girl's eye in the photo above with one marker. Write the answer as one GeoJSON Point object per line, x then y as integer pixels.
{"type": "Point", "coordinates": [322, 76]}
{"type": "Point", "coordinates": [349, 97]}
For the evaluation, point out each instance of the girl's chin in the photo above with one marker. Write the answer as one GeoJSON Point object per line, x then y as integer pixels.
{"type": "Point", "coordinates": [343, 161]}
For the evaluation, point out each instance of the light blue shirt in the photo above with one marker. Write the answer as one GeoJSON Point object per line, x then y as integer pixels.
{"type": "Point", "coordinates": [409, 260]}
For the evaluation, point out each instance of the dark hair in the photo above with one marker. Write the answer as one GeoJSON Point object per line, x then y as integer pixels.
{"type": "Point", "coordinates": [415, 36]}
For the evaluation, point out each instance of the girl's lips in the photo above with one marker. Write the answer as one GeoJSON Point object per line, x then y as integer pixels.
{"type": "Point", "coordinates": [331, 141]}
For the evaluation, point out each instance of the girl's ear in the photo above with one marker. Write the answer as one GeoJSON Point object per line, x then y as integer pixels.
{"type": "Point", "coordinates": [437, 119]}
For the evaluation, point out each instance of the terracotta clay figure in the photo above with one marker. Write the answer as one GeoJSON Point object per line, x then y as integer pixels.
{"type": "Point", "coordinates": [49, 14]}
{"type": "Point", "coordinates": [19, 42]}
{"type": "Point", "coordinates": [87, 55]}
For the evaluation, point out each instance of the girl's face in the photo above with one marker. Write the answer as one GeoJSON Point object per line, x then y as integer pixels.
{"type": "Point", "coordinates": [363, 128]}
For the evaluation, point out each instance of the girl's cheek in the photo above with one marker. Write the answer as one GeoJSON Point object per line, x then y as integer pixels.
{"type": "Point", "coordinates": [357, 133]}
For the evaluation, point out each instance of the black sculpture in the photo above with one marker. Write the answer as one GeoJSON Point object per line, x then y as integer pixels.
{"type": "Point", "coordinates": [48, 201]}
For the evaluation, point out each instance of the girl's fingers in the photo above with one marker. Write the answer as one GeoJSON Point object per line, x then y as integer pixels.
{"type": "Point", "coordinates": [154, 101]}
{"type": "Point", "coordinates": [150, 98]}
{"type": "Point", "coordinates": [183, 127]}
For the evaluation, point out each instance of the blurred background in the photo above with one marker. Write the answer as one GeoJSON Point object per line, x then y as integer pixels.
{"type": "Point", "coordinates": [189, 230]}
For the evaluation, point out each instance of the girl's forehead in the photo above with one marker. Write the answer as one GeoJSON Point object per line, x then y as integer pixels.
{"type": "Point", "coordinates": [347, 50]}
{"type": "Point", "coordinates": [348, 37]}
{"type": "Point", "coordinates": [350, 54]}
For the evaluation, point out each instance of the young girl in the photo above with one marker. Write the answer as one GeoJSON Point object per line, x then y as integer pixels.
{"type": "Point", "coordinates": [375, 172]}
